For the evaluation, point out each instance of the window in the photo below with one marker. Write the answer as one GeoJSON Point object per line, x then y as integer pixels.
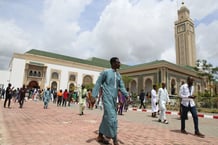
{"type": "Point", "coordinates": [72, 78]}
{"type": "Point", "coordinates": [54, 75]}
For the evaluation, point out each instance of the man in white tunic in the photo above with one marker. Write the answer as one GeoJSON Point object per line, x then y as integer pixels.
{"type": "Point", "coordinates": [188, 104]}
{"type": "Point", "coordinates": [163, 98]}
{"type": "Point", "coordinates": [82, 99]}
{"type": "Point", "coordinates": [154, 105]}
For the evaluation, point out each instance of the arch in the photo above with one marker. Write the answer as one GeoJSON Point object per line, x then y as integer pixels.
{"type": "Point", "coordinates": [54, 85]}
{"type": "Point", "coordinates": [87, 79]}
{"type": "Point", "coordinates": [199, 88]}
{"type": "Point", "coordinates": [35, 73]}
{"type": "Point", "coordinates": [30, 73]}
{"type": "Point", "coordinates": [173, 88]}
{"type": "Point", "coordinates": [54, 75]}
{"type": "Point", "coordinates": [39, 74]}
{"type": "Point", "coordinates": [133, 86]}
{"type": "Point", "coordinates": [71, 87]}
{"type": "Point", "coordinates": [72, 77]}
{"type": "Point", "coordinates": [148, 85]}
{"type": "Point", "coordinates": [33, 84]}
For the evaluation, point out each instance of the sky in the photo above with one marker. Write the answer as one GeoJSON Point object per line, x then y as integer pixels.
{"type": "Point", "coordinates": [136, 31]}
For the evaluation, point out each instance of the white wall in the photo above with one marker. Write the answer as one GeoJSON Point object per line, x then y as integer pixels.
{"type": "Point", "coordinates": [4, 78]}
{"type": "Point", "coordinates": [17, 72]}
{"type": "Point", "coordinates": [16, 76]}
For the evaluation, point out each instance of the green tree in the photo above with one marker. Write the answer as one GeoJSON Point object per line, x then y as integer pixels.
{"type": "Point", "coordinates": [126, 80]}
{"type": "Point", "coordinates": [207, 70]}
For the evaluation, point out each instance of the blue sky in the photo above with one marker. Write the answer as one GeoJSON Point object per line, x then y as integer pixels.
{"type": "Point", "coordinates": [137, 31]}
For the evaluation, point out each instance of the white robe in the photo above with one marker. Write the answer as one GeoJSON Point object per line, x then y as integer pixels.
{"type": "Point", "coordinates": [154, 106]}
{"type": "Point", "coordinates": [163, 98]}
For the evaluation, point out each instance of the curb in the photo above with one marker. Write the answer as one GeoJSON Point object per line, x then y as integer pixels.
{"type": "Point", "coordinates": [176, 113]}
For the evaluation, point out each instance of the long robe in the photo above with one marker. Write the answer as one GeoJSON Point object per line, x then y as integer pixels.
{"type": "Point", "coordinates": [154, 106]}
{"type": "Point", "coordinates": [110, 81]}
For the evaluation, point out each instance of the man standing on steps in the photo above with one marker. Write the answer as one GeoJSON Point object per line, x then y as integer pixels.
{"type": "Point", "coordinates": [188, 104]}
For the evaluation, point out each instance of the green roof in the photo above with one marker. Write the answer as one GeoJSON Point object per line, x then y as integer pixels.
{"type": "Point", "coordinates": [160, 61]}
{"type": "Point", "coordinates": [92, 61]}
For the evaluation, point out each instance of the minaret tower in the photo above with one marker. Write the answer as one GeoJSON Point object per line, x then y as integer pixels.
{"type": "Point", "coordinates": [185, 38]}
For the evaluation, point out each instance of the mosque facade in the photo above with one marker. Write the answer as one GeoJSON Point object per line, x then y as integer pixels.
{"type": "Point", "coordinates": [39, 69]}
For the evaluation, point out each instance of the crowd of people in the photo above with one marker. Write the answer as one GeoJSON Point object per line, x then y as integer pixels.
{"type": "Point", "coordinates": [110, 95]}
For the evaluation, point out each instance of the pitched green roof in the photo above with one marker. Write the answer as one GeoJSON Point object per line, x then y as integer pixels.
{"type": "Point", "coordinates": [158, 62]}
{"type": "Point", "coordinates": [92, 61]}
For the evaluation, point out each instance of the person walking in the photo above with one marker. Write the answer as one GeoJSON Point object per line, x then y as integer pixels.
{"type": "Point", "coordinates": [22, 94]}
{"type": "Point", "coordinates": [142, 99]}
{"type": "Point", "coordinates": [82, 99]}
{"type": "Point", "coordinates": [110, 80]}
{"type": "Point", "coordinates": [46, 97]}
{"type": "Point", "coordinates": [8, 97]}
{"type": "Point", "coordinates": [188, 104]}
{"type": "Point", "coordinates": [60, 96]}
{"type": "Point", "coordinates": [154, 104]}
{"type": "Point", "coordinates": [65, 97]}
{"type": "Point", "coordinates": [163, 98]}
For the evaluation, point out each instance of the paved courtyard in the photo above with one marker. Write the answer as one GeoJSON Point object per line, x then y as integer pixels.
{"type": "Point", "coordinates": [33, 125]}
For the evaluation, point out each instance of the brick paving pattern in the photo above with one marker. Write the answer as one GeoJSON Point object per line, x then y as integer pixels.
{"type": "Point", "coordinates": [33, 125]}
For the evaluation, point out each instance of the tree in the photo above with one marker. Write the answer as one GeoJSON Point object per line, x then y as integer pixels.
{"type": "Point", "coordinates": [126, 80]}
{"type": "Point", "coordinates": [207, 70]}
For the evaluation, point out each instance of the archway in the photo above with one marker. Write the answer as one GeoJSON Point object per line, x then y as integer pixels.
{"type": "Point", "coordinates": [54, 85]}
{"type": "Point", "coordinates": [173, 89]}
{"type": "Point", "coordinates": [33, 84]}
{"type": "Point", "coordinates": [148, 85]}
{"type": "Point", "coordinates": [133, 86]}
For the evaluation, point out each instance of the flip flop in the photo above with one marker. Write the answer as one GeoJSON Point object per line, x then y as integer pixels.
{"type": "Point", "coordinates": [102, 140]}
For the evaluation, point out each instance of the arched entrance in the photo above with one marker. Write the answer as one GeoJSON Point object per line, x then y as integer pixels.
{"type": "Point", "coordinates": [54, 85]}
{"type": "Point", "coordinates": [71, 87]}
{"type": "Point", "coordinates": [133, 86]}
{"type": "Point", "coordinates": [148, 86]}
{"type": "Point", "coordinates": [33, 84]}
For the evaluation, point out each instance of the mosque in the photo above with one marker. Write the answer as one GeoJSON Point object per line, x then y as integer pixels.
{"type": "Point", "coordinates": [39, 69]}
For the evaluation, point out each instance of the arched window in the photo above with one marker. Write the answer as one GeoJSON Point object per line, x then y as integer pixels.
{"type": "Point", "coordinates": [31, 73]}
{"type": "Point", "coordinates": [133, 86]}
{"type": "Point", "coordinates": [87, 80]}
{"type": "Point", "coordinates": [72, 78]}
{"type": "Point", "coordinates": [39, 74]}
{"type": "Point", "coordinates": [35, 73]}
{"type": "Point", "coordinates": [173, 89]}
{"type": "Point", "coordinates": [54, 75]}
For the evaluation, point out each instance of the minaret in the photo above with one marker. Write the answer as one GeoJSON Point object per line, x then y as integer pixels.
{"type": "Point", "coordinates": [185, 38]}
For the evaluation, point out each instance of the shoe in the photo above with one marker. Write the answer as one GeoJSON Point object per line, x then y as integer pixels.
{"type": "Point", "coordinates": [159, 120]}
{"type": "Point", "coordinates": [166, 122]}
{"type": "Point", "coordinates": [184, 132]}
{"type": "Point", "coordinates": [115, 142]}
{"type": "Point", "coordinates": [101, 139]}
{"type": "Point", "coordinates": [199, 134]}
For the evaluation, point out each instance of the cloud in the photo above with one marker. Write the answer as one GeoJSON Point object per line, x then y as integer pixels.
{"type": "Point", "coordinates": [13, 39]}
{"type": "Point", "coordinates": [136, 31]}
{"type": "Point", "coordinates": [207, 48]}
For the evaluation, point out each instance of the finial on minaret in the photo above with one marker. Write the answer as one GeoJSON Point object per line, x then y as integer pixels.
{"type": "Point", "coordinates": [183, 3]}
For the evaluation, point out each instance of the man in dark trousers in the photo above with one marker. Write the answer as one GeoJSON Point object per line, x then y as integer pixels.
{"type": "Point", "coordinates": [142, 98]}
{"type": "Point", "coordinates": [8, 96]}
{"type": "Point", "coordinates": [22, 96]}
{"type": "Point", "coordinates": [188, 104]}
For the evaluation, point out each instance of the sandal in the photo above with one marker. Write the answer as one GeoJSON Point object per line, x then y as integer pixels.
{"type": "Point", "coordinates": [102, 140]}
